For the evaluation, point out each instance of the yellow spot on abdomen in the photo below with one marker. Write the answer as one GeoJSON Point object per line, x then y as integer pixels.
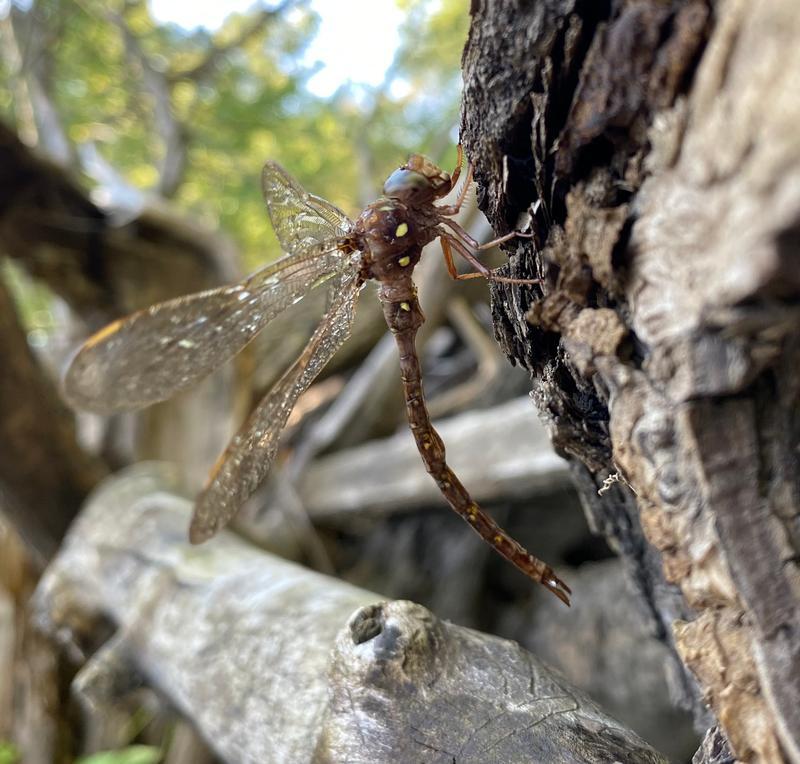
{"type": "Point", "coordinates": [404, 261]}
{"type": "Point", "coordinates": [401, 230]}
{"type": "Point", "coordinates": [405, 306]}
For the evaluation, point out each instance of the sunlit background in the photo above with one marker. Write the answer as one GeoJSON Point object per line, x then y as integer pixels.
{"type": "Point", "coordinates": [354, 43]}
{"type": "Point", "coordinates": [338, 92]}
{"type": "Point", "coordinates": [329, 89]}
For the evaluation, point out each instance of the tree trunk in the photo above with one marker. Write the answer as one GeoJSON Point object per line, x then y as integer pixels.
{"type": "Point", "coordinates": [655, 148]}
{"type": "Point", "coordinates": [44, 474]}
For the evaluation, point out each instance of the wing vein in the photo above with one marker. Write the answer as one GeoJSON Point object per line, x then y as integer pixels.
{"type": "Point", "coordinates": [249, 456]}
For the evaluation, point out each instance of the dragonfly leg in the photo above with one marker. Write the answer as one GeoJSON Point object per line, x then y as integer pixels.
{"type": "Point", "coordinates": [476, 245]}
{"type": "Point", "coordinates": [507, 237]}
{"type": "Point", "coordinates": [459, 163]}
{"type": "Point", "coordinates": [481, 269]}
{"type": "Point", "coordinates": [452, 209]}
{"type": "Point", "coordinates": [448, 258]}
{"type": "Point", "coordinates": [447, 251]}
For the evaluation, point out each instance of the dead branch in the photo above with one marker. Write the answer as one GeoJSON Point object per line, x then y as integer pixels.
{"type": "Point", "coordinates": [242, 643]}
{"type": "Point", "coordinates": [44, 474]}
{"type": "Point", "coordinates": [101, 269]}
{"type": "Point", "coordinates": [172, 165]}
{"type": "Point", "coordinates": [27, 42]}
{"type": "Point", "coordinates": [489, 359]}
{"type": "Point", "coordinates": [522, 464]}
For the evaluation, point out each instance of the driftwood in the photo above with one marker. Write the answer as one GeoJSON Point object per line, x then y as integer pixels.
{"type": "Point", "coordinates": [502, 452]}
{"type": "Point", "coordinates": [603, 646]}
{"type": "Point", "coordinates": [656, 147]}
{"type": "Point", "coordinates": [273, 662]}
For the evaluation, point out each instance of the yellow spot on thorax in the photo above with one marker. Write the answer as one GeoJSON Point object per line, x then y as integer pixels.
{"type": "Point", "coordinates": [404, 260]}
{"type": "Point", "coordinates": [401, 230]}
{"type": "Point", "coordinates": [405, 306]}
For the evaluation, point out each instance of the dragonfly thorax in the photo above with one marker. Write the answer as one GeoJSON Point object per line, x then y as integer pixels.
{"type": "Point", "coordinates": [393, 236]}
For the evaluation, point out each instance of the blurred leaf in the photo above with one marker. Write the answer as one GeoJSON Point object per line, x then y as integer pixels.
{"type": "Point", "coordinates": [135, 754]}
{"type": "Point", "coordinates": [9, 754]}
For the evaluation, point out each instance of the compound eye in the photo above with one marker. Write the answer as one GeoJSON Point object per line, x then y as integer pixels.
{"type": "Point", "coordinates": [406, 185]}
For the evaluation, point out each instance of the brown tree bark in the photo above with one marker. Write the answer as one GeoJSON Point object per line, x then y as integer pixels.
{"type": "Point", "coordinates": [654, 145]}
{"type": "Point", "coordinates": [44, 474]}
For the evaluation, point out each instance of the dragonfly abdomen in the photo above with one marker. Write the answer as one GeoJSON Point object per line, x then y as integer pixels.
{"type": "Point", "coordinates": [404, 319]}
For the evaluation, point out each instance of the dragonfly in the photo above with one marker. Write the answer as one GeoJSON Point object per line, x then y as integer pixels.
{"type": "Point", "coordinates": [153, 354]}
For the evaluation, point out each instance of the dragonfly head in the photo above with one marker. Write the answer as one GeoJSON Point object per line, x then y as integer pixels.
{"type": "Point", "coordinates": [418, 181]}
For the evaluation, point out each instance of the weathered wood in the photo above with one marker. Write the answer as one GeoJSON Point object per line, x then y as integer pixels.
{"type": "Point", "coordinates": [604, 646]}
{"type": "Point", "coordinates": [714, 749]}
{"type": "Point", "coordinates": [656, 146]}
{"type": "Point", "coordinates": [503, 453]}
{"type": "Point", "coordinates": [241, 642]}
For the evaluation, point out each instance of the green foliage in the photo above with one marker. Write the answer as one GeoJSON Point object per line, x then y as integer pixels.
{"type": "Point", "coordinates": [8, 753]}
{"type": "Point", "coordinates": [250, 105]}
{"type": "Point", "coordinates": [134, 754]}
{"type": "Point", "coordinates": [34, 303]}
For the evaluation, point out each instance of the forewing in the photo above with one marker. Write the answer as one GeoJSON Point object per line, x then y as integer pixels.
{"type": "Point", "coordinates": [248, 457]}
{"type": "Point", "coordinates": [151, 355]}
{"type": "Point", "coordinates": [300, 219]}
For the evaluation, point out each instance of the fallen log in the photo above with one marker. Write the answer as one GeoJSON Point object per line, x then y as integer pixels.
{"type": "Point", "coordinates": [273, 662]}
{"type": "Point", "coordinates": [502, 452]}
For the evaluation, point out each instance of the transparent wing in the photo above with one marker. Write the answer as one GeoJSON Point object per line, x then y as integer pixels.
{"type": "Point", "coordinates": [300, 219]}
{"type": "Point", "coordinates": [151, 355]}
{"type": "Point", "coordinates": [248, 457]}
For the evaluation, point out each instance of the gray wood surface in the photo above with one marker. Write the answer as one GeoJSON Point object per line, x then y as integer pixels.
{"type": "Point", "coordinates": [275, 663]}
{"type": "Point", "coordinates": [501, 453]}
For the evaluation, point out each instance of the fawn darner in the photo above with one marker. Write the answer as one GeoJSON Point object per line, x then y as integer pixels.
{"type": "Point", "coordinates": [151, 355]}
